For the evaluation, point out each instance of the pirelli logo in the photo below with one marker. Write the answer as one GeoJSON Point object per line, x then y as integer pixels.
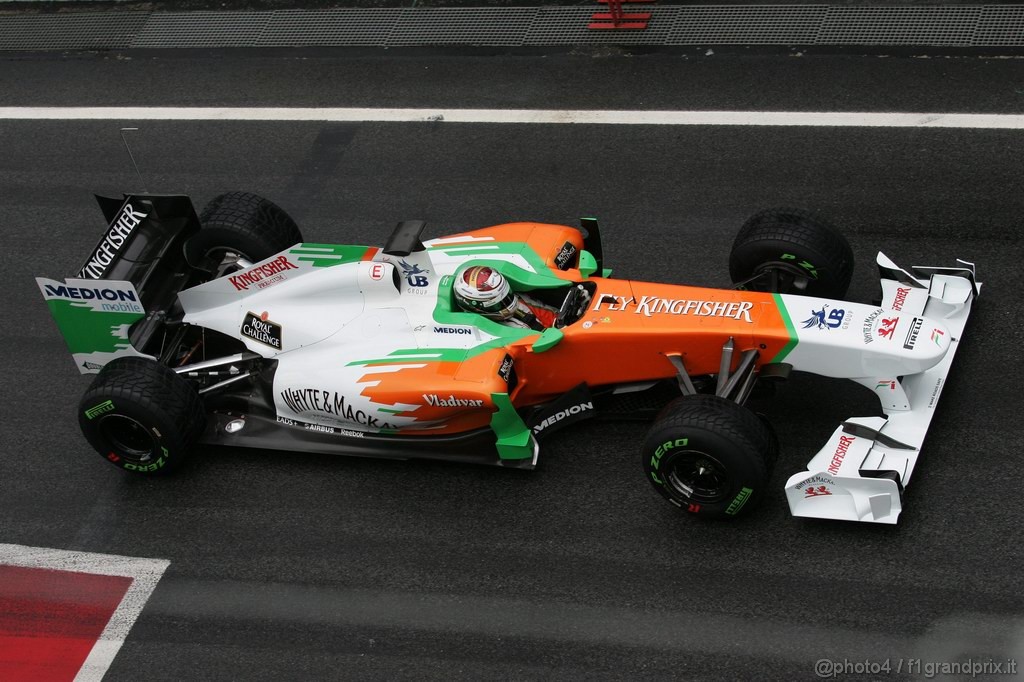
{"type": "Point", "coordinates": [915, 329]}
{"type": "Point", "coordinates": [97, 410]}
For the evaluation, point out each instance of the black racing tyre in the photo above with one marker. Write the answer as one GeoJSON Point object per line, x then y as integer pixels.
{"type": "Point", "coordinates": [791, 252]}
{"type": "Point", "coordinates": [141, 416]}
{"type": "Point", "coordinates": [771, 453]}
{"type": "Point", "coordinates": [245, 224]}
{"type": "Point", "coordinates": [709, 456]}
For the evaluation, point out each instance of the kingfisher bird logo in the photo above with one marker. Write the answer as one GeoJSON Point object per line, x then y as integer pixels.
{"type": "Point", "coordinates": [414, 274]}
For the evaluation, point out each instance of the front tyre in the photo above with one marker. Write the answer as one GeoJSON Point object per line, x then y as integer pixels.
{"type": "Point", "coordinates": [709, 456]}
{"type": "Point", "coordinates": [789, 251]}
{"type": "Point", "coordinates": [141, 416]}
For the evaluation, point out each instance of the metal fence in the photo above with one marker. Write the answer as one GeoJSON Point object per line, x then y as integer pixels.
{"type": "Point", "coordinates": [938, 25]}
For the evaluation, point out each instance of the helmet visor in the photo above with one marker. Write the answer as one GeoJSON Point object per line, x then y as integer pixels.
{"type": "Point", "coordinates": [501, 308]}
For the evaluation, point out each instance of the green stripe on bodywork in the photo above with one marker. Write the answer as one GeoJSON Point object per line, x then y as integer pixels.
{"type": "Point", "coordinates": [326, 255]}
{"type": "Point", "coordinates": [790, 329]}
{"type": "Point", "coordinates": [548, 340]}
{"type": "Point", "coordinates": [588, 264]}
{"type": "Point", "coordinates": [406, 355]}
{"type": "Point", "coordinates": [92, 331]}
{"type": "Point", "coordinates": [484, 249]}
{"type": "Point", "coordinates": [447, 313]}
{"type": "Point", "coordinates": [522, 280]}
{"type": "Point", "coordinates": [514, 437]}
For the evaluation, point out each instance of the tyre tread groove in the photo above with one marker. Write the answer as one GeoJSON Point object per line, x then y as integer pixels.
{"type": "Point", "coordinates": [146, 384]}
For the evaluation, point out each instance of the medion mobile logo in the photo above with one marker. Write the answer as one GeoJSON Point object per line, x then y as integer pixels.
{"type": "Point", "coordinates": [90, 293]}
{"type": "Point", "coordinates": [112, 299]}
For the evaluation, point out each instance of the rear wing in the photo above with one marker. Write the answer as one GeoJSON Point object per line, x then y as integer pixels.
{"type": "Point", "coordinates": [861, 472]}
{"type": "Point", "coordinates": [126, 287]}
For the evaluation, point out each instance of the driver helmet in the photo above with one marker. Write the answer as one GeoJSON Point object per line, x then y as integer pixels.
{"type": "Point", "coordinates": [483, 290]}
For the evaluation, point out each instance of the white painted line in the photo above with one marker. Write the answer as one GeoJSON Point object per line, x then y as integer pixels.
{"type": "Point", "coordinates": [145, 574]}
{"type": "Point", "coordinates": [549, 116]}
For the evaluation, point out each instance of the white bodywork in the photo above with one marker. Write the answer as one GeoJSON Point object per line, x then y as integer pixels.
{"type": "Point", "coordinates": [318, 327]}
{"type": "Point", "coordinates": [902, 350]}
{"type": "Point", "coordinates": [931, 307]}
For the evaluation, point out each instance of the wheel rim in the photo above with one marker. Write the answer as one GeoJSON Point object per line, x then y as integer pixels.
{"type": "Point", "coordinates": [222, 251]}
{"type": "Point", "coordinates": [698, 477]}
{"type": "Point", "coordinates": [129, 438]}
{"type": "Point", "coordinates": [778, 277]}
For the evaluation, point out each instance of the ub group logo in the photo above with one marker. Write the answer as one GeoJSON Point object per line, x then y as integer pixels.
{"type": "Point", "coordinates": [414, 274]}
{"type": "Point", "coordinates": [820, 320]}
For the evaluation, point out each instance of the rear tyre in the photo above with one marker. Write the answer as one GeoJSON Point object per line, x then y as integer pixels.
{"type": "Point", "coordinates": [709, 456]}
{"type": "Point", "coordinates": [789, 251]}
{"type": "Point", "coordinates": [243, 224]}
{"type": "Point", "coordinates": [141, 416]}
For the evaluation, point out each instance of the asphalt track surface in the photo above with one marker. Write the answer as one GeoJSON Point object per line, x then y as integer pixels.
{"type": "Point", "coordinates": [287, 566]}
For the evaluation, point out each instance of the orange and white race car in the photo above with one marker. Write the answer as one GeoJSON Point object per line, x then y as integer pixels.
{"type": "Point", "coordinates": [227, 328]}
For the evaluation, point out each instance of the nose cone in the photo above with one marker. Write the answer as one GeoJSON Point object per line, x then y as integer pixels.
{"type": "Point", "coordinates": [924, 341]}
{"type": "Point", "coordinates": [925, 336]}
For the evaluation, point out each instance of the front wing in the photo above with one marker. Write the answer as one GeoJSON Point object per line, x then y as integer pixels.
{"type": "Point", "coordinates": [861, 472]}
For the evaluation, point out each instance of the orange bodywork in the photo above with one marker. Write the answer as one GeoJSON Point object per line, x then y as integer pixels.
{"type": "Point", "coordinates": [615, 342]}
{"type": "Point", "coordinates": [473, 379]}
{"type": "Point", "coordinates": [624, 337]}
{"type": "Point", "coordinates": [630, 327]}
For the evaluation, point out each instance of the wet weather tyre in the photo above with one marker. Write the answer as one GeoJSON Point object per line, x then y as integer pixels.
{"type": "Point", "coordinates": [245, 224]}
{"type": "Point", "coordinates": [141, 416]}
{"type": "Point", "coordinates": [771, 452]}
{"type": "Point", "coordinates": [791, 252]}
{"type": "Point", "coordinates": [709, 456]}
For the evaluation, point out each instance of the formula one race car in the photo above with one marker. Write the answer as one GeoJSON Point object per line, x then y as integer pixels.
{"type": "Point", "coordinates": [227, 329]}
